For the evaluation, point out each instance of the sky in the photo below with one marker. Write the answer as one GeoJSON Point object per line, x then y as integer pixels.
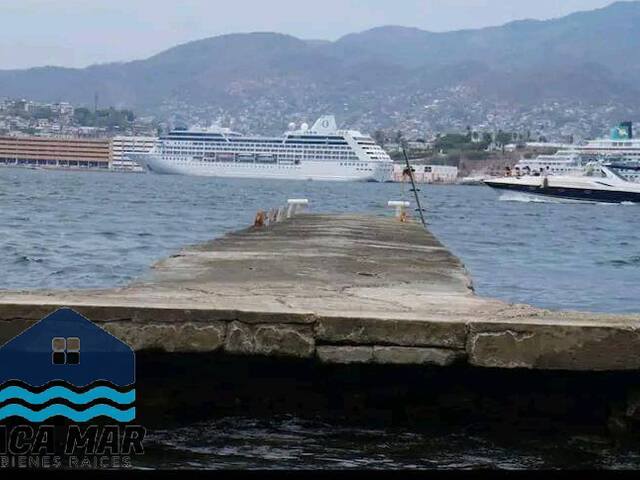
{"type": "Point", "coordinates": [77, 33]}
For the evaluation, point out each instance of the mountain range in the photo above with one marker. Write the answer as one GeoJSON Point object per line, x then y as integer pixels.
{"type": "Point", "coordinates": [588, 57]}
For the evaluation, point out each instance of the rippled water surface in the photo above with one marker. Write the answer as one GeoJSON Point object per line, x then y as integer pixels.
{"type": "Point", "coordinates": [286, 442]}
{"type": "Point", "coordinates": [85, 230]}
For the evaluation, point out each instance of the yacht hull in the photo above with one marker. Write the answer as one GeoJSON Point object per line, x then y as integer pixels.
{"type": "Point", "coordinates": [569, 193]}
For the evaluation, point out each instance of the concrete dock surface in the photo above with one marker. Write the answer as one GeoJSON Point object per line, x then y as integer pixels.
{"type": "Point", "coordinates": [340, 289]}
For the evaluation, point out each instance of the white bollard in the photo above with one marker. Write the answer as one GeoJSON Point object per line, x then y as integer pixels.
{"type": "Point", "coordinates": [296, 205]}
{"type": "Point", "coordinates": [399, 206]}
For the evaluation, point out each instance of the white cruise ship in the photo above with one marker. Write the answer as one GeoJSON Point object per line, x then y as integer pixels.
{"type": "Point", "coordinates": [560, 163]}
{"type": "Point", "coordinates": [320, 153]}
{"type": "Point", "coordinates": [621, 150]}
{"type": "Point", "coordinates": [621, 144]}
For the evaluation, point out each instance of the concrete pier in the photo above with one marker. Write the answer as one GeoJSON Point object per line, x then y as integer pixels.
{"type": "Point", "coordinates": [339, 289]}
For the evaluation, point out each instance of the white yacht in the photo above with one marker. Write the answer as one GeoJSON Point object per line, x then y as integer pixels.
{"type": "Point", "coordinates": [322, 152]}
{"type": "Point", "coordinates": [597, 183]}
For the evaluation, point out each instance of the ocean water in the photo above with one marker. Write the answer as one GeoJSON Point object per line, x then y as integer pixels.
{"type": "Point", "coordinates": [291, 443]}
{"type": "Point", "coordinates": [89, 230]}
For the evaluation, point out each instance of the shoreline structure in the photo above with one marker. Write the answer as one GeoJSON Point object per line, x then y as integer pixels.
{"type": "Point", "coordinates": [340, 291]}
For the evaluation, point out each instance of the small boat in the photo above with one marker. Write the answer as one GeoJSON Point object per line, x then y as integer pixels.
{"type": "Point", "coordinates": [598, 183]}
{"type": "Point", "coordinates": [473, 180]}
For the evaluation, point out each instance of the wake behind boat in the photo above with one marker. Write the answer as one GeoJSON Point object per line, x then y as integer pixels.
{"type": "Point", "coordinates": [320, 153]}
{"type": "Point", "coordinates": [599, 183]}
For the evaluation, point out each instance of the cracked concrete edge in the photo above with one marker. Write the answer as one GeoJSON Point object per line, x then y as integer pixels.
{"type": "Point", "coordinates": [170, 338]}
{"type": "Point", "coordinates": [287, 340]}
{"type": "Point", "coordinates": [554, 347]}
{"type": "Point", "coordinates": [403, 333]}
{"type": "Point", "coordinates": [142, 314]}
{"type": "Point", "coordinates": [234, 337]}
{"type": "Point", "coordinates": [383, 355]}
{"type": "Point", "coordinates": [548, 347]}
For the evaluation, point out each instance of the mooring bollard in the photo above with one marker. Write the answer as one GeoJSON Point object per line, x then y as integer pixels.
{"type": "Point", "coordinates": [260, 219]}
{"type": "Point", "coordinates": [273, 215]}
{"type": "Point", "coordinates": [296, 205]}
{"type": "Point", "coordinates": [401, 213]}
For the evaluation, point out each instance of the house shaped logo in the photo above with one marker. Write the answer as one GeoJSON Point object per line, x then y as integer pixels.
{"type": "Point", "coordinates": [67, 366]}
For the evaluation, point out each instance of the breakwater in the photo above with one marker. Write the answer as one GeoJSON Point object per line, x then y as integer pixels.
{"type": "Point", "coordinates": [351, 293]}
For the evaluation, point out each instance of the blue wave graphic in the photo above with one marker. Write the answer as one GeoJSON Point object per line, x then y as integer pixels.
{"type": "Point", "coordinates": [14, 392]}
{"type": "Point", "coordinates": [122, 416]}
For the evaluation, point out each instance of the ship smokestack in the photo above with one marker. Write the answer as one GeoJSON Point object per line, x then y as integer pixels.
{"type": "Point", "coordinates": [624, 131]}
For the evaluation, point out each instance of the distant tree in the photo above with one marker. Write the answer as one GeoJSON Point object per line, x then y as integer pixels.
{"type": "Point", "coordinates": [503, 138]}
{"type": "Point", "coordinates": [84, 117]}
{"type": "Point", "coordinates": [477, 155]}
{"type": "Point", "coordinates": [42, 113]}
{"type": "Point", "coordinates": [453, 159]}
{"type": "Point", "coordinates": [109, 118]}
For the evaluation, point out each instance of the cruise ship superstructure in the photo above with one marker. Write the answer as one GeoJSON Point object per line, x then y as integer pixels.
{"type": "Point", "coordinates": [560, 163]}
{"type": "Point", "coordinates": [322, 152]}
{"type": "Point", "coordinates": [621, 149]}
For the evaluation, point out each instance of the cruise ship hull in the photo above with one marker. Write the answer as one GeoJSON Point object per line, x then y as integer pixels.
{"type": "Point", "coordinates": [307, 170]}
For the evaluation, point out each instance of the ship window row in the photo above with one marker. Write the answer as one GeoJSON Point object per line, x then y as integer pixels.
{"type": "Point", "coordinates": [265, 152]}
{"type": "Point", "coordinates": [253, 147]}
{"type": "Point", "coordinates": [259, 161]}
{"type": "Point", "coordinates": [310, 142]}
{"type": "Point", "coordinates": [242, 140]}
{"type": "Point", "coordinates": [354, 164]}
{"type": "Point", "coordinates": [252, 164]}
{"type": "Point", "coordinates": [194, 134]}
{"type": "Point", "coordinates": [198, 145]}
{"type": "Point", "coordinates": [280, 157]}
{"type": "Point", "coordinates": [260, 150]}
{"type": "Point", "coordinates": [252, 159]}
{"type": "Point", "coordinates": [316, 137]}
{"type": "Point", "coordinates": [202, 141]}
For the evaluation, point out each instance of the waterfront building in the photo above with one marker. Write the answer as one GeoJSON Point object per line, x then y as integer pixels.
{"type": "Point", "coordinates": [444, 174]}
{"type": "Point", "coordinates": [46, 152]}
{"type": "Point", "coordinates": [123, 146]}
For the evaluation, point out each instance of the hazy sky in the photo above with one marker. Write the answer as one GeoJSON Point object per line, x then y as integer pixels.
{"type": "Point", "coordinates": [82, 32]}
